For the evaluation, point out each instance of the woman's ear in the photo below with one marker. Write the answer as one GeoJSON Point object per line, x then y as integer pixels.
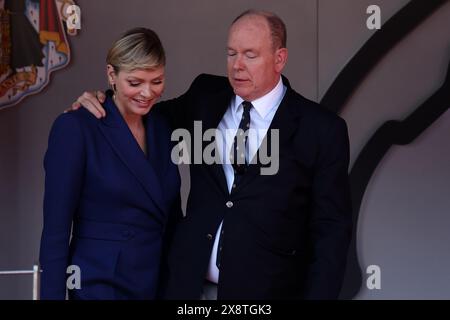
{"type": "Point", "coordinates": [111, 74]}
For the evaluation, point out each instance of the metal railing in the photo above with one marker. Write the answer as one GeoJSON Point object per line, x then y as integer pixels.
{"type": "Point", "coordinates": [36, 272]}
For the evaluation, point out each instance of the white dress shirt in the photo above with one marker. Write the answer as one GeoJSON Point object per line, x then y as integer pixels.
{"type": "Point", "coordinates": [261, 116]}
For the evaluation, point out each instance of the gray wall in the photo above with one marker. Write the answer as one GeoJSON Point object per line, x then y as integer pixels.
{"type": "Point", "coordinates": [404, 216]}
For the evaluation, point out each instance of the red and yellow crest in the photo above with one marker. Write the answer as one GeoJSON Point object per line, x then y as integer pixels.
{"type": "Point", "coordinates": [33, 44]}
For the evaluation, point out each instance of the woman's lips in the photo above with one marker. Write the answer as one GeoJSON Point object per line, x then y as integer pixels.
{"type": "Point", "coordinates": [143, 103]}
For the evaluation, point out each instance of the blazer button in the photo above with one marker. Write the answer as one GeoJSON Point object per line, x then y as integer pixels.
{"type": "Point", "coordinates": [229, 204]}
{"type": "Point", "coordinates": [209, 236]}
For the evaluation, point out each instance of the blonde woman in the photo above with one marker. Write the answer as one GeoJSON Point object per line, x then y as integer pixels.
{"type": "Point", "coordinates": [111, 182]}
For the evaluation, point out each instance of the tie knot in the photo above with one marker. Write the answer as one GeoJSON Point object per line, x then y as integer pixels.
{"type": "Point", "coordinates": [247, 106]}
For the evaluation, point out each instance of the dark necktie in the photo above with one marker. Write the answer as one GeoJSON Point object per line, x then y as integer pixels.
{"type": "Point", "coordinates": [238, 150]}
{"type": "Point", "coordinates": [238, 160]}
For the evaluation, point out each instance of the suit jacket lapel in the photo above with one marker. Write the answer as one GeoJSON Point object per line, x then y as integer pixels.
{"type": "Point", "coordinates": [158, 155]}
{"type": "Point", "coordinates": [286, 121]}
{"type": "Point", "coordinates": [120, 138]}
{"type": "Point", "coordinates": [213, 112]}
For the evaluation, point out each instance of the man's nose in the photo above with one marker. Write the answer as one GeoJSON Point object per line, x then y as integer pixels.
{"type": "Point", "coordinates": [238, 63]}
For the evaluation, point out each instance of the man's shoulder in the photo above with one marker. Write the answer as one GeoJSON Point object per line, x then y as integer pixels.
{"type": "Point", "coordinates": [314, 111]}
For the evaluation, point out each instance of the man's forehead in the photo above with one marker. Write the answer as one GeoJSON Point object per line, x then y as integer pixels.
{"type": "Point", "coordinates": [250, 22]}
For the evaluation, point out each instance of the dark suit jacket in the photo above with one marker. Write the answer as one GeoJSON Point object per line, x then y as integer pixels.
{"type": "Point", "coordinates": [286, 235]}
{"type": "Point", "coordinates": [118, 199]}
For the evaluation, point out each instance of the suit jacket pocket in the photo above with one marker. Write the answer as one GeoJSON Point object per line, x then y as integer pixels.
{"type": "Point", "coordinates": [88, 229]}
{"type": "Point", "coordinates": [279, 249]}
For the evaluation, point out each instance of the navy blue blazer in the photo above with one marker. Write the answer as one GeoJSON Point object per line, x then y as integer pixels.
{"type": "Point", "coordinates": [117, 200]}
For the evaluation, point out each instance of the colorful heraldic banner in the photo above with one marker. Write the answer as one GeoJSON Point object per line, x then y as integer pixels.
{"type": "Point", "coordinates": [33, 44]}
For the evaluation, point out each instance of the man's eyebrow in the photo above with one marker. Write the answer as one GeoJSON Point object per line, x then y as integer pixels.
{"type": "Point", "coordinates": [245, 51]}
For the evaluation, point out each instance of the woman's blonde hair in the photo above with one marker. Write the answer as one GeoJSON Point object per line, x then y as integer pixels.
{"type": "Point", "coordinates": [138, 48]}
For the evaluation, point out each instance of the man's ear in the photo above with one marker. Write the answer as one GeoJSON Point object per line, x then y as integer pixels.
{"type": "Point", "coordinates": [281, 56]}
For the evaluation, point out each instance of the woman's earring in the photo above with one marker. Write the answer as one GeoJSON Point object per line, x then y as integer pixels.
{"type": "Point", "coordinates": [114, 89]}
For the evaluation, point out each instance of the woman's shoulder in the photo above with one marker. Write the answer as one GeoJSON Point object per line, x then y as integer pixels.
{"type": "Point", "coordinates": [73, 122]}
{"type": "Point", "coordinates": [82, 116]}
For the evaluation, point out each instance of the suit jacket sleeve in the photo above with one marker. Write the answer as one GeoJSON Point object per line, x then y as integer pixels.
{"type": "Point", "coordinates": [331, 219]}
{"type": "Point", "coordinates": [64, 171]}
{"type": "Point", "coordinates": [180, 111]}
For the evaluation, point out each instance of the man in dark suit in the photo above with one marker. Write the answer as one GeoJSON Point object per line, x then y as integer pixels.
{"type": "Point", "coordinates": [247, 235]}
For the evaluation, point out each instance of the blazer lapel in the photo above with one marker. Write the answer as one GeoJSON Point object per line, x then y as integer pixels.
{"type": "Point", "coordinates": [157, 146]}
{"type": "Point", "coordinates": [286, 122]}
{"type": "Point", "coordinates": [213, 112]}
{"type": "Point", "coordinates": [120, 138]}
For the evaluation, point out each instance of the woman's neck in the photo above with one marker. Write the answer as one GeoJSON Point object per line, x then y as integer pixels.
{"type": "Point", "coordinates": [133, 120]}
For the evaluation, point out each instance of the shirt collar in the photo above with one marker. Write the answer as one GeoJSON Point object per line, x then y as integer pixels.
{"type": "Point", "coordinates": [266, 103]}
